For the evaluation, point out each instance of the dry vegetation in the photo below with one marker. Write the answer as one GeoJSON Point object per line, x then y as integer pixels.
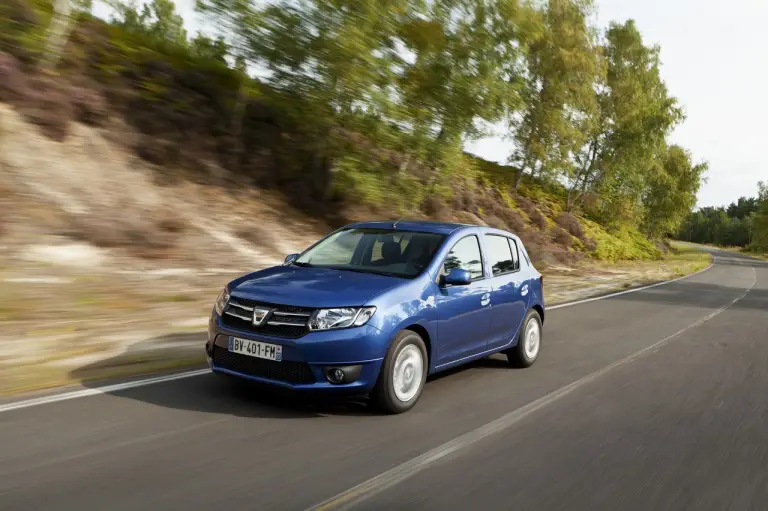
{"type": "Point", "coordinates": [173, 112]}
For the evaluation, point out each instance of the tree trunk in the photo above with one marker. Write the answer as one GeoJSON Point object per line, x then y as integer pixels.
{"type": "Point", "coordinates": [58, 33]}
{"type": "Point", "coordinates": [404, 165]}
{"type": "Point", "coordinates": [569, 202]}
{"type": "Point", "coordinates": [519, 177]}
{"type": "Point", "coordinates": [520, 171]}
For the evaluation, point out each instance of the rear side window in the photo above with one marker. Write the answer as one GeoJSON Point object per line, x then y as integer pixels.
{"type": "Point", "coordinates": [500, 256]}
{"type": "Point", "coordinates": [465, 254]}
{"type": "Point", "coordinates": [526, 257]}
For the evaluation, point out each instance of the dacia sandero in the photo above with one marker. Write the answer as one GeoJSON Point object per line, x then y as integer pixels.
{"type": "Point", "coordinates": [374, 308]}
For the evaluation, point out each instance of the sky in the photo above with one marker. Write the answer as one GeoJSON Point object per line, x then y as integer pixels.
{"type": "Point", "coordinates": [714, 60]}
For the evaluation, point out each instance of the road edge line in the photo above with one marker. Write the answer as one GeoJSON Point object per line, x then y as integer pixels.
{"type": "Point", "coordinates": [634, 290]}
{"type": "Point", "coordinates": [55, 398]}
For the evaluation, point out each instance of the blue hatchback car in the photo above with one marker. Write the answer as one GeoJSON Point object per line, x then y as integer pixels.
{"type": "Point", "coordinates": [376, 307]}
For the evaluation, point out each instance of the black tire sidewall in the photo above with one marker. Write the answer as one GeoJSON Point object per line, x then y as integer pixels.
{"type": "Point", "coordinates": [385, 386]}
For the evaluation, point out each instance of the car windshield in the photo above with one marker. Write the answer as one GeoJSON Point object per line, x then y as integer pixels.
{"type": "Point", "coordinates": [380, 251]}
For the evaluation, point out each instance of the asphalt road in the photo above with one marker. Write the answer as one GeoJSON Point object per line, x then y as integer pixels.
{"type": "Point", "coordinates": [656, 399]}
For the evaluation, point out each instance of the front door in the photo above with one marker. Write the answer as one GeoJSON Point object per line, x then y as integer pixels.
{"type": "Point", "coordinates": [463, 312]}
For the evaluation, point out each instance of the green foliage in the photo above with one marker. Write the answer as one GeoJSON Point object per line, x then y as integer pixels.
{"type": "Point", "coordinates": [671, 191]}
{"type": "Point", "coordinates": [206, 48]}
{"type": "Point", "coordinates": [624, 243]}
{"type": "Point", "coordinates": [743, 223]}
{"type": "Point", "coordinates": [628, 136]}
{"type": "Point", "coordinates": [760, 237]}
{"type": "Point", "coordinates": [370, 103]}
{"type": "Point", "coordinates": [157, 19]}
{"type": "Point", "coordinates": [560, 103]}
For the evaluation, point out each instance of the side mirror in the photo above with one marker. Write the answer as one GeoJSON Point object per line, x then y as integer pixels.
{"type": "Point", "coordinates": [457, 277]}
{"type": "Point", "coordinates": [290, 258]}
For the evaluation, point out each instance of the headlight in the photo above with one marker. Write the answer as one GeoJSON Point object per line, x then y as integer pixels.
{"type": "Point", "coordinates": [330, 319]}
{"type": "Point", "coordinates": [221, 301]}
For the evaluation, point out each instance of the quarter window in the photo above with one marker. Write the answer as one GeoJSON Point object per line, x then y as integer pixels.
{"type": "Point", "coordinates": [465, 255]}
{"type": "Point", "coordinates": [515, 253]}
{"type": "Point", "coordinates": [500, 256]}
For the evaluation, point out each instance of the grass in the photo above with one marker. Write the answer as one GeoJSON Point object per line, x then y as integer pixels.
{"type": "Point", "coordinates": [687, 259]}
{"type": "Point", "coordinates": [738, 250]}
{"type": "Point", "coordinates": [43, 377]}
{"type": "Point", "coordinates": [758, 255]}
{"type": "Point", "coordinates": [623, 244]}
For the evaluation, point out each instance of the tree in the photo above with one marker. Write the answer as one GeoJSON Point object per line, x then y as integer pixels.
{"type": "Point", "coordinates": [157, 20]}
{"type": "Point", "coordinates": [560, 103]}
{"type": "Point", "coordinates": [744, 207]}
{"type": "Point", "coordinates": [58, 33]}
{"type": "Point", "coordinates": [209, 48]}
{"type": "Point", "coordinates": [740, 224]}
{"type": "Point", "coordinates": [83, 5]}
{"type": "Point", "coordinates": [671, 191]}
{"type": "Point", "coordinates": [636, 114]}
{"type": "Point", "coordinates": [466, 67]}
{"type": "Point", "coordinates": [760, 225]}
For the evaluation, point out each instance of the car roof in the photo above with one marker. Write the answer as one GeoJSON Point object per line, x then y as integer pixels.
{"type": "Point", "coordinates": [421, 226]}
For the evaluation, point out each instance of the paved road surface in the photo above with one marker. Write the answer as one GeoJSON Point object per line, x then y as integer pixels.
{"type": "Point", "coordinates": [681, 426]}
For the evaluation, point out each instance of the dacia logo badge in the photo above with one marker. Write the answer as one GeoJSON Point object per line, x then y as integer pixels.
{"type": "Point", "coordinates": [260, 315]}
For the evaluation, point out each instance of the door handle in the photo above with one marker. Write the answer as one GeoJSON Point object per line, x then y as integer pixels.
{"type": "Point", "coordinates": [485, 299]}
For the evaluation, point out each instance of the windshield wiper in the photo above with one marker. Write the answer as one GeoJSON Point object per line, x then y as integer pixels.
{"type": "Point", "coordinates": [303, 265]}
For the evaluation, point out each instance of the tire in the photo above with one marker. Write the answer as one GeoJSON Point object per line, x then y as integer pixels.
{"type": "Point", "coordinates": [527, 350]}
{"type": "Point", "coordinates": [408, 348]}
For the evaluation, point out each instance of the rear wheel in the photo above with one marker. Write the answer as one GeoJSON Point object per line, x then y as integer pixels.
{"type": "Point", "coordinates": [403, 374]}
{"type": "Point", "coordinates": [526, 352]}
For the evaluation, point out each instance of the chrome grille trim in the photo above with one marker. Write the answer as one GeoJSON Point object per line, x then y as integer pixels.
{"type": "Point", "coordinates": [284, 323]}
{"type": "Point", "coordinates": [241, 306]}
{"type": "Point", "coordinates": [244, 318]}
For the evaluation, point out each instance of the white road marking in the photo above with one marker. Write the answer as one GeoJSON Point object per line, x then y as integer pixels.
{"type": "Point", "coordinates": [635, 290]}
{"type": "Point", "coordinates": [392, 477]}
{"type": "Point", "coordinates": [100, 390]}
{"type": "Point", "coordinates": [55, 398]}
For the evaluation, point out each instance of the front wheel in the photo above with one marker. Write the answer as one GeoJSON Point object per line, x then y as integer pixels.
{"type": "Point", "coordinates": [525, 353]}
{"type": "Point", "coordinates": [403, 374]}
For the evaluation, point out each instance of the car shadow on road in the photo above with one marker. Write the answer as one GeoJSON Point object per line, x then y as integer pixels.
{"type": "Point", "coordinates": [491, 363]}
{"type": "Point", "coordinates": [218, 394]}
{"type": "Point", "coordinates": [207, 393]}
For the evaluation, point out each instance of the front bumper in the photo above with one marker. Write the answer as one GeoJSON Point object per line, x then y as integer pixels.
{"type": "Point", "coordinates": [305, 361]}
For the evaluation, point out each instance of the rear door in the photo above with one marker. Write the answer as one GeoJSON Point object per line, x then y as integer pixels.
{"type": "Point", "coordinates": [463, 311]}
{"type": "Point", "coordinates": [509, 289]}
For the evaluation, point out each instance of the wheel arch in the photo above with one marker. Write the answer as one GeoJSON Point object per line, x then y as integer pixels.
{"type": "Point", "coordinates": [424, 334]}
{"type": "Point", "coordinates": [538, 308]}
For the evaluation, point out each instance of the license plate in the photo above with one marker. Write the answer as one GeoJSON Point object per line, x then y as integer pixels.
{"type": "Point", "coordinates": [256, 349]}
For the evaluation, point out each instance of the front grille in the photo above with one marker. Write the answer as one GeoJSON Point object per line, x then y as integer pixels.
{"type": "Point", "coordinates": [284, 321]}
{"type": "Point", "coordinates": [290, 372]}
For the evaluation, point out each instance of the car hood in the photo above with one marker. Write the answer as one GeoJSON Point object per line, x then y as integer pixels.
{"type": "Point", "coordinates": [311, 287]}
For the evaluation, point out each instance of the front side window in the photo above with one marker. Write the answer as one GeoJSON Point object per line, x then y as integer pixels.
{"type": "Point", "coordinates": [380, 251]}
{"type": "Point", "coordinates": [500, 256]}
{"type": "Point", "coordinates": [465, 254]}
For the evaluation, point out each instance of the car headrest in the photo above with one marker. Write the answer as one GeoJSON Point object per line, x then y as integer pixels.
{"type": "Point", "coordinates": [390, 251]}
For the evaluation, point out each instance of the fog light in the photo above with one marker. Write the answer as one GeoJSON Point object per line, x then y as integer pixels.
{"type": "Point", "coordinates": [344, 374]}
